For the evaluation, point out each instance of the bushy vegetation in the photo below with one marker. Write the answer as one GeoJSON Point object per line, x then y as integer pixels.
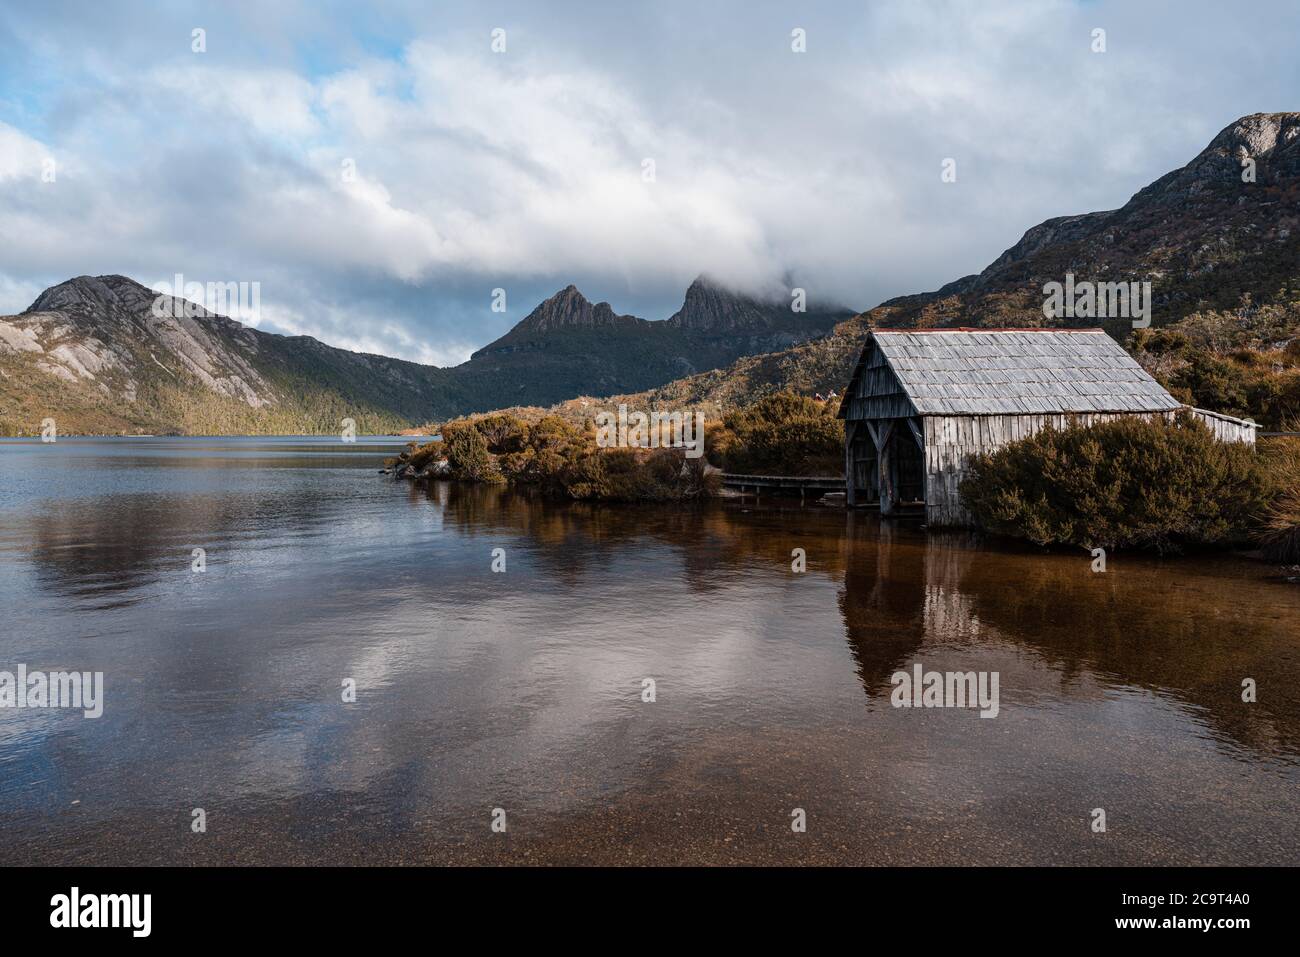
{"type": "Point", "coordinates": [1131, 482]}
{"type": "Point", "coordinates": [781, 434]}
{"type": "Point", "coordinates": [561, 459]}
{"type": "Point", "coordinates": [467, 453]}
{"type": "Point", "coordinates": [1199, 364]}
{"type": "Point", "coordinates": [1281, 535]}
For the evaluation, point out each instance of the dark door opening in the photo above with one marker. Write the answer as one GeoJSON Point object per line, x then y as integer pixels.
{"type": "Point", "coordinates": [909, 465]}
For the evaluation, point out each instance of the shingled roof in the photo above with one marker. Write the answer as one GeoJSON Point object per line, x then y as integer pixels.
{"type": "Point", "coordinates": [1013, 372]}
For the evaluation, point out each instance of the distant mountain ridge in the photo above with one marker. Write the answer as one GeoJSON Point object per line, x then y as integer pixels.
{"type": "Point", "coordinates": [1219, 239]}
{"type": "Point", "coordinates": [710, 308]}
{"type": "Point", "coordinates": [1220, 248]}
{"type": "Point", "coordinates": [92, 354]}
{"type": "Point", "coordinates": [568, 309]}
{"type": "Point", "coordinates": [709, 311]}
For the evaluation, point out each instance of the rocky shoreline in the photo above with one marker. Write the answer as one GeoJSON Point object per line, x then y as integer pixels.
{"type": "Point", "coordinates": [440, 469]}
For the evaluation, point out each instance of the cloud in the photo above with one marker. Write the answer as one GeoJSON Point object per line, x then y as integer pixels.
{"type": "Point", "coordinates": [381, 176]}
{"type": "Point", "coordinates": [21, 157]}
{"type": "Point", "coordinates": [273, 103]}
{"type": "Point", "coordinates": [376, 334]}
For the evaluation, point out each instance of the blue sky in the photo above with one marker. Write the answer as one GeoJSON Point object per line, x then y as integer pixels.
{"type": "Point", "coordinates": [523, 169]}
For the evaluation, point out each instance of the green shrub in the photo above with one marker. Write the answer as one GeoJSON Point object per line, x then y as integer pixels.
{"type": "Point", "coordinates": [1131, 482]}
{"type": "Point", "coordinates": [781, 434]}
{"type": "Point", "coordinates": [504, 433]}
{"type": "Point", "coordinates": [1263, 384]}
{"type": "Point", "coordinates": [561, 459]}
{"type": "Point", "coordinates": [467, 454]}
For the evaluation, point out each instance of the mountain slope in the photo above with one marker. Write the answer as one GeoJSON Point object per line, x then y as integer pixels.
{"type": "Point", "coordinates": [1203, 237]}
{"type": "Point", "coordinates": [1222, 255]}
{"type": "Point", "coordinates": [94, 354]}
{"type": "Point", "coordinates": [567, 346]}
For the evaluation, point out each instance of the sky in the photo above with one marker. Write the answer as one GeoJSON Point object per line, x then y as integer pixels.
{"type": "Point", "coordinates": [380, 169]}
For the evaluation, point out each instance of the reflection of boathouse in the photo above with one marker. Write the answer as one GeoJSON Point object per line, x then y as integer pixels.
{"type": "Point", "coordinates": [922, 401]}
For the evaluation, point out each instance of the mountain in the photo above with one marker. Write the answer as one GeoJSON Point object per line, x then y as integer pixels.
{"type": "Point", "coordinates": [568, 347]}
{"type": "Point", "coordinates": [1205, 239]}
{"type": "Point", "coordinates": [96, 355]}
{"type": "Point", "coordinates": [93, 354]}
{"type": "Point", "coordinates": [1222, 255]}
{"type": "Point", "coordinates": [1218, 239]}
{"type": "Point", "coordinates": [712, 311]}
{"type": "Point", "coordinates": [569, 309]}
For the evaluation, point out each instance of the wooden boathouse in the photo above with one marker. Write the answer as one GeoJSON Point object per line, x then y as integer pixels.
{"type": "Point", "coordinates": [921, 402]}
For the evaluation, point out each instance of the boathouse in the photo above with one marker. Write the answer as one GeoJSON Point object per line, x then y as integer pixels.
{"type": "Point", "coordinates": [921, 402]}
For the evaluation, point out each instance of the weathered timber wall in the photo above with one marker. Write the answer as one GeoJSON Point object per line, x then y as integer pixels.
{"type": "Point", "coordinates": [1226, 428]}
{"type": "Point", "coordinates": [951, 440]}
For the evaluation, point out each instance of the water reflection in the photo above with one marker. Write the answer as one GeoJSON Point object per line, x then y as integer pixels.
{"type": "Point", "coordinates": [527, 684]}
{"type": "Point", "coordinates": [103, 520]}
{"type": "Point", "coordinates": [1191, 629]}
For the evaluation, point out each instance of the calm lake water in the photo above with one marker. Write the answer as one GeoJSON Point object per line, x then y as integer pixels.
{"type": "Point", "coordinates": [523, 690]}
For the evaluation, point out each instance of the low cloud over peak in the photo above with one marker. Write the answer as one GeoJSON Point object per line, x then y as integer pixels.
{"type": "Point", "coordinates": [381, 178]}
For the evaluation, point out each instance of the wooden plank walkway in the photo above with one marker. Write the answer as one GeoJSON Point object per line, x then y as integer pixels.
{"type": "Point", "coordinates": [801, 483]}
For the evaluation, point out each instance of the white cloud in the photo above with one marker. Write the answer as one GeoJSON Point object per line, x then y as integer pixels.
{"type": "Point", "coordinates": [345, 328]}
{"type": "Point", "coordinates": [273, 102]}
{"type": "Point", "coordinates": [21, 157]}
{"type": "Point", "coordinates": [476, 170]}
{"type": "Point", "coordinates": [16, 295]}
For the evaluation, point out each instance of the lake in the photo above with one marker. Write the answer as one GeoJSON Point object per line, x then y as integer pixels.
{"type": "Point", "coordinates": [519, 696]}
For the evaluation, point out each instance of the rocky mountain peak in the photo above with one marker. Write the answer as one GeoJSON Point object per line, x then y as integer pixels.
{"type": "Point", "coordinates": [569, 308]}
{"type": "Point", "coordinates": [101, 296]}
{"type": "Point", "coordinates": [1268, 141]}
{"type": "Point", "coordinates": [1257, 135]}
{"type": "Point", "coordinates": [1174, 213]}
{"type": "Point", "coordinates": [709, 307]}
{"type": "Point", "coordinates": [81, 293]}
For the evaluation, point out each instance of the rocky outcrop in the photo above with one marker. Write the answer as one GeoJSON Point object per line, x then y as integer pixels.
{"type": "Point", "coordinates": [712, 309]}
{"type": "Point", "coordinates": [570, 309]}
{"type": "Point", "coordinates": [102, 329]}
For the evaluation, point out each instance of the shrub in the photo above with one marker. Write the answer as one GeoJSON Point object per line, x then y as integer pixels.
{"type": "Point", "coordinates": [504, 433]}
{"type": "Point", "coordinates": [419, 457]}
{"type": "Point", "coordinates": [1281, 536]}
{"type": "Point", "coordinates": [1263, 384]}
{"type": "Point", "coordinates": [636, 475]}
{"type": "Point", "coordinates": [781, 434]}
{"type": "Point", "coordinates": [1131, 482]}
{"type": "Point", "coordinates": [467, 454]}
{"type": "Point", "coordinates": [561, 459]}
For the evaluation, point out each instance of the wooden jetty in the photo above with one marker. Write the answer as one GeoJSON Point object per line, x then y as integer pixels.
{"type": "Point", "coordinates": [801, 483]}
